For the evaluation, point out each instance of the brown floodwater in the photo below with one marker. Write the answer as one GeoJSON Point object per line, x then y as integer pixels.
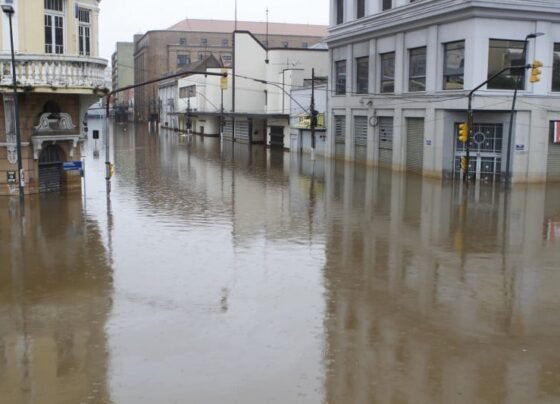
{"type": "Point", "coordinates": [222, 274]}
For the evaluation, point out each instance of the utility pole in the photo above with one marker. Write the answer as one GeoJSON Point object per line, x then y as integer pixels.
{"type": "Point", "coordinates": [313, 112]}
{"type": "Point", "coordinates": [189, 123]}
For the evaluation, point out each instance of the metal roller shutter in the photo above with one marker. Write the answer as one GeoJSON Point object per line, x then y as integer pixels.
{"type": "Point", "coordinates": [360, 138]}
{"type": "Point", "coordinates": [50, 169]}
{"type": "Point", "coordinates": [386, 141]}
{"type": "Point", "coordinates": [553, 163]}
{"type": "Point", "coordinates": [242, 131]}
{"type": "Point", "coordinates": [339, 135]}
{"type": "Point", "coordinates": [228, 129]}
{"type": "Point", "coordinates": [414, 144]}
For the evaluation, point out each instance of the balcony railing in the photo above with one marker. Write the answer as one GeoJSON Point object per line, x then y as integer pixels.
{"type": "Point", "coordinates": [57, 71]}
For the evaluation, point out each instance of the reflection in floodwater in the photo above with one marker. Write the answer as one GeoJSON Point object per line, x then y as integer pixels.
{"type": "Point", "coordinates": [229, 273]}
{"type": "Point", "coordinates": [54, 299]}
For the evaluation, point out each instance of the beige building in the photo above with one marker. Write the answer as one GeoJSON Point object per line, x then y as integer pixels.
{"type": "Point", "coordinates": [194, 40]}
{"type": "Point", "coordinates": [59, 75]}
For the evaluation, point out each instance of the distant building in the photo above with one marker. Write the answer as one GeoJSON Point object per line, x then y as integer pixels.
{"type": "Point", "coordinates": [255, 97]}
{"type": "Point", "coordinates": [122, 64]}
{"type": "Point", "coordinates": [401, 71]}
{"type": "Point", "coordinates": [193, 40]}
{"type": "Point", "coordinates": [59, 75]}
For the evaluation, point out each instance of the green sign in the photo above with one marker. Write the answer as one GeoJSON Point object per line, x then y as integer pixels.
{"type": "Point", "coordinates": [11, 175]}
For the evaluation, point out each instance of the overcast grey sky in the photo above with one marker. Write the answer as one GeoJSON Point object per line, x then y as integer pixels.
{"type": "Point", "coordinates": [121, 19]}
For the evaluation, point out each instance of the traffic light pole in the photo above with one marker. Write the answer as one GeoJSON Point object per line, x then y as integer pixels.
{"type": "Point", "coordinates": [313, 120]}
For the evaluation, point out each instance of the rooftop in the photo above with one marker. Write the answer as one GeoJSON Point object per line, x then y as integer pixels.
{"type": "Point", "coordinates": [274, 28]}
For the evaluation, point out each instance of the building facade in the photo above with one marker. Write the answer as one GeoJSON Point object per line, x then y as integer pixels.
{"type": "Point", "coordinates": [401, 70]}
{"type": "Point", "coordinates": [58, 77]}
{"type": "Point", "coordinates": [190, 41]}
{"type": "Point", "coordinates": [122, 65]}
{"type": "Point", "coordinates": [255, 98]}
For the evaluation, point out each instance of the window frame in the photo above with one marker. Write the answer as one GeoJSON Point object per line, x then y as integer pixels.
{"type": "Point", "coordinates": [555, 68]}
{"type": "Point", "coordinates": [360, 9]}
{"type": "Point", "coordinates": [84, 32]}
{"type": "Point", "coordinates": [503, 76]}
{"type": "Point", "coordinates": [360, 89]}
{"type": "Point", "coordinates": [382, 57]}
{"type": "Point", "coordinates": [54, 15]}
{"type": "Point", "coordinates": [446, 82]}
{"type": "Point", "coordinates": [339, 9]}
{"type": "Point", "coordinates": [340, 77]}
{"type": "Point", "coordinates": [419, 78]}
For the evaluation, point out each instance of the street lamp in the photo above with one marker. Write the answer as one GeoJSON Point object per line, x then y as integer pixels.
{"type": "Point", "coordinates": [9, 11]}
{"type": "Point", "coordinates": [512, 113]}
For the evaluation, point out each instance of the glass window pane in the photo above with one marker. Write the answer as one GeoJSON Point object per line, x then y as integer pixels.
{"type": "Point", "coordinates": [362, 71]}
{"type": "Point", "coordinates": [556, 68]}
{"type": "Point", "coordinates": [503, 53]}
{"type": "Point", "coordinates": [388, 72]}
{"type": "Point", "coordinates": [417, 70]}
{"type": "Point", "coordinates": [340, 77]}
{"type": "Point", "coordinates": [454, 65]}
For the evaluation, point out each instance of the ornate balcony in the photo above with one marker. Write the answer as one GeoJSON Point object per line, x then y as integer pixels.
{"type": "Point", "coordinates": [55, 72]}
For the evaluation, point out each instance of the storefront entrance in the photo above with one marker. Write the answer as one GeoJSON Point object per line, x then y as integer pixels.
{"type": "Point", "coordinates": [486, 145]}
{"type": "Point", "coordinates": [50, 169]}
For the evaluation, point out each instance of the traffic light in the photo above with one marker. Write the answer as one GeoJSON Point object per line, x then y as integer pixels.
{"type": "Point", "coordinates": [536, 71]}
{"type": "Point", "coordinates": [464, 132]}
{"type": "Point", "coordinates": [464, 163]}
{"type": "Point", "coordinates": [111, 170]}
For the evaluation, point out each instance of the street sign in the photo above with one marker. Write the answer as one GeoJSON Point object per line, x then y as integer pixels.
{"type": "Point", "coordinates": [11, 175]}
{"type": "Point", "coordinates": [72, 166]}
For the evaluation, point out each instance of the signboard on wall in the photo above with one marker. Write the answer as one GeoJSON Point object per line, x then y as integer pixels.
{"type": "Point", "coordinates": [556, 132]}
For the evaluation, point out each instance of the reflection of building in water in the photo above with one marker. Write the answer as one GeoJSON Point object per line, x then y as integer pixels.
{"type": "Point", "coordinates": [55, 295]}
{"type": "Point", "coordinates": [431, 299]}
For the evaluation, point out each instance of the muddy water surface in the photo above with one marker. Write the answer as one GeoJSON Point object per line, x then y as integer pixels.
{"type": "Point", "coordinates": [221, 274]}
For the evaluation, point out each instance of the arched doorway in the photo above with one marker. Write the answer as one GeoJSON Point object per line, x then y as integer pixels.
{"type": "Point", "coordinates": [50, 169]}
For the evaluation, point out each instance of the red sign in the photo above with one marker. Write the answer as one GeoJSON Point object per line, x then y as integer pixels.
{"type": "Point", "coordinates": [556, 134]}
{"type": "Point", "coordinates": [553, 231]}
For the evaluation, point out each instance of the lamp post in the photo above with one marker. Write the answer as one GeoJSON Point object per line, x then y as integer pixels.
{"type": "Point", "coordinates": [512, 113]}
{"type": "Point", "coordinates": [9, 11]}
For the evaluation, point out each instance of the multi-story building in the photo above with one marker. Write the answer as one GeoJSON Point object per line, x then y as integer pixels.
{"type": "Point", "coordinates": [401, 71]}
{"type": "Point", "coordinates": [122, 64]}
{"type": "Point", "coordinates": [58, 76]}
{"type": "Point", "coordinates": [194, 40]}
{"type": "Point", "coordinates": [254, 100]}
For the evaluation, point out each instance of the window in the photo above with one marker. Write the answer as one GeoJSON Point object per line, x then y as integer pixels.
{"type": "Point", "coordinates": [556, 68]}
{"type": "Point", "coordinates": [201, 56]}
{"type": "Point", "coordinates": [362, 71]}
{"type": "Point", "coordinates": [225, 43]}
{"type": "Point", "coordinates": [284, 44]}
{"type": "Point", "coordinates": [387, 4]}
{"type": "Point", "coordinates": [183, 60]}
{"type": "Point", "coordinates": [339, 11]}
{"type": "Point", "coordinates": [340, 77]}
{"type": "Point", "coordinates": [187, 92]}
{"type": "Point", "coordinates": [504, 53]}
{"type": "Point", "coordinates": [54, 26]}
{"type": "Point", "coordinates": [226, 59]}
{"type": "Point", "coordinates": [183, 41]}
{"type": "Point", "coordinates": [417, 69]}
{"type": "Point", "coordinates": [84, 30]}
{"type": "Point", "coordinates": [360, 8]}
{"type": "Point", "coordinates": [388, 72]}
{"type": "Point", "coordinates": [453, 65]}
{"type": "Point", "coordinates": [204, 41]}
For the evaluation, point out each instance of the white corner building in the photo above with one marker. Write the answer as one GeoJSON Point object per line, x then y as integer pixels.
{"type": "Point", "coordinates": [401, 71]}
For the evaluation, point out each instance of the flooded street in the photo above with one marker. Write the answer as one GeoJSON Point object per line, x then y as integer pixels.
{"type": "Point", "coordinates": [229, 274]}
